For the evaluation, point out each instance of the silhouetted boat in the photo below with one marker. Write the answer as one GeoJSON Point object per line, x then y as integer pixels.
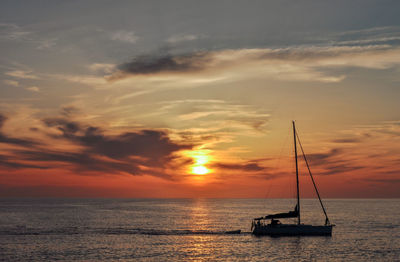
{"type": "Point", "coordinates": [233, 232]}
{"type": "Point", "coordinates": [260, 226]}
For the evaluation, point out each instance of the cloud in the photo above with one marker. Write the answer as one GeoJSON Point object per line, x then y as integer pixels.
{"type": "Point", "coordinates": [16, 141]}
{"type": "Point", "coordinates": [145, 65]}
{"type": "Point", "coordinates": [12, 140]}
{"type": "Point", "coordinates": [67, 127]}
{"type": "Point", "coordinates": [339, 167]}
{"type": "Point", "coordinates": [2, 120]}
{"type": "Point", "coordinates": [152, 145]}
{"type": "Point", "coordinates": [368, 36]}
{"type": "Point", "coordinates": [103, 68]}
{"type": "Point", "coordinates": [321, 158]}
{"type": "Point", "coordinates": [46, 44]}
{"type": "Point", "coordinates": [88, 149]}
{"type": "Point", "coordinates": [33, 89]}
{"type": "Point", "coordinates": [11, 82]}
{"type": "Point", "coordinates": [347, 140]}
{"type": "Point", "coordinates": [90, 80]}
{"type": "Point", "coordinates": [124, 36]}
{"type": "Point", "coordinates": [22, 74]}
{"type": "Point", "coordinates": [332, 163]}
{"type": "Point", "coordinates": [8, 162]}
{"type": "Point", "coordinates": [244, 167]}
{"type": "Point", "coordinates": [69, 111]}
{"type": "Point", "coordinates": [128, 152]}
{"type": "Point", "coordinates": [289, 64]}
{"type": "Point", "coordinates": [80, 161]}
{"type": "Point", "coordinates": [217, 120]}
{"type": "Point", "coordinates": [182, 38]}
{"type": "Point", "coordinates": [12, 32]}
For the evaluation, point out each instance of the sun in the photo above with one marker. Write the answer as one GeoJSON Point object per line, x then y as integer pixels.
{"type": "Point", "coordinates": [200, 170]}
{"type": "Point", "coordinates": [200, 160]}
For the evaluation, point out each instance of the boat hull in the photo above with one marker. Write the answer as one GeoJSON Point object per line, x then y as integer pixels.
{"type": "Point", "coordinates": [292, 230]}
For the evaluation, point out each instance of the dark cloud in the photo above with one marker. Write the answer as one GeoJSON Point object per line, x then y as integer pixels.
{"type": "Point", "coordinates": [339, 167]}
{"type": "Point", "coordinates": [82, 162]}
{"type": "Point", "coordinates": [16, 141]}
{"type": "Point", "coordinates": [244, 167]}
{"type": "Point", "coordinates": [321, 158]}
{"type": "Point", "coordinates": [347, 140]}
{"type": "Point", "coordinates": [152, 145]}
{"type": "Point", "coordinates": [270, 175]}
{"type": "Point", "coordinates": [68, 128]}
{"type": "Point", "coordinates": [331, 163]}
{"type": "Point", "coordinates": [129, 152]}
{"type": "Point", "coordinates": [144, 65]}
{"type": "Point", "coordinates": [126, 152]}
{"type": "Point", "coordinates": [9, 162]}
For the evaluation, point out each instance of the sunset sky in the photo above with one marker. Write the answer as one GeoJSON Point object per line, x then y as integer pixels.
{"type": "Point", "coordinates": [188, 98]}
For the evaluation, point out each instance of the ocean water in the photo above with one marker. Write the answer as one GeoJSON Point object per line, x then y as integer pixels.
{"type": "Point", "coordinates": [192, 230]}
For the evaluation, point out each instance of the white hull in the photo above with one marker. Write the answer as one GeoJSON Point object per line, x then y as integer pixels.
{"type": "Point", "coordinates": [292, 230]}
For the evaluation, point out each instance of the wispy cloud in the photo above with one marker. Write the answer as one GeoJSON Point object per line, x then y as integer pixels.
{"type": "Point", "coordinates": [368, 36]}
{"type": "Point", "coordinates": [16, 33]}
{"type": "Point", "coordinates": [11, 82]}
{"type": "Point", "coordinates": [46, 43]}
{"type": "Point", "coordinates": [33, 89]}
{"type": "Point", "coordinates": [182, 38]}
{"type": "Point", "coordinates": [347, 140]}
{"type": "Point", "coordinates": [12, 32]}
{"type": "Point", "coordinates": [89, 79]}
{"type": "Point", "coordinates": [22, 74]}
{"type": "Point", "coordinates": [214, 116]}
{"type": "Point", "coordinates": [103, 68]}
{"type": "Point", "coordinates": [124, 36]}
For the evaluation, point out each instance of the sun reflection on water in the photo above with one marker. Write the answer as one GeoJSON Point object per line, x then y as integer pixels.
{"type": "Point", "coordinates": [199, 215]}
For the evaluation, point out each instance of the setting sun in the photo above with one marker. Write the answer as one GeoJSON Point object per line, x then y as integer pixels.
{"type": "Point", "coordinates": [200, 170]}
{"type": "Point", "coordinates": [200, 159]}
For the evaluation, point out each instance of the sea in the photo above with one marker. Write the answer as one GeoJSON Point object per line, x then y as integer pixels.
{"type": "Point", "coordinates": [192, 230]}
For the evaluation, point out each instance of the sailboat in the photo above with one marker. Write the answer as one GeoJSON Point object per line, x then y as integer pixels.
{"type": "Point", "coordinates": [271, 226]}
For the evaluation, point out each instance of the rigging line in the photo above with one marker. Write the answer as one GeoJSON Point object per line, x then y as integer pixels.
{"type": "Point", "coordinates": [312, 179]}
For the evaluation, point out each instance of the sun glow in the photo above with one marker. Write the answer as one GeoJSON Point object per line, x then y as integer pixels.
{"type": "Point", "coordinates": [200, 159]}
{"type": "Point", "coordinates": [200, 170]}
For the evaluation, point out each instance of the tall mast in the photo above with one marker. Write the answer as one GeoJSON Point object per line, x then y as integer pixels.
{"type": "Point", "coordinates": [297, 173]}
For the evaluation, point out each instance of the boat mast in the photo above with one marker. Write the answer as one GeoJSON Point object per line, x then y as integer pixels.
{"type": "Point", "coordinates": [297, 173]}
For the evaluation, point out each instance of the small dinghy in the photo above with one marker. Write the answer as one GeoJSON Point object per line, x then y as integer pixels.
{"type": "Point", "coordinates": [233, 232]}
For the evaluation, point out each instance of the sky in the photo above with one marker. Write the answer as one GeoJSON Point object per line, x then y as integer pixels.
{"type": "Point", "coordinates": [195, 99]}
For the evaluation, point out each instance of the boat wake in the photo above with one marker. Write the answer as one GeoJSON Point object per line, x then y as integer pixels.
{"type": "Point", "coordinates": [112, 231]}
